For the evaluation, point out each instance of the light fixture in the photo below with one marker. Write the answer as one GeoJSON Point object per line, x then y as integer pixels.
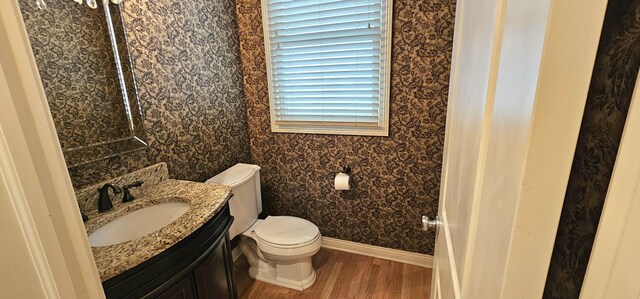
{"type": "Point", "coordinates": [92, 3]}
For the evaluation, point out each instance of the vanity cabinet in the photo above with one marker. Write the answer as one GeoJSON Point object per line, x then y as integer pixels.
{"type": "Point", "coordinates": [198, 266]}
{"type": "Point", "coordinates": [210, 275]}
{"type": "Point", "coordinates": [183, 289]}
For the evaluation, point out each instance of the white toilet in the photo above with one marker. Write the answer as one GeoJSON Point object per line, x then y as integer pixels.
{"type": "Point", "coordinates": [279, 248]}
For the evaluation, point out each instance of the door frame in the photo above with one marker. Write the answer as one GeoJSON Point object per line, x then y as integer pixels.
{"type": "Point", "coordinates": [610, 266]}
{"type": "Point", "coordinates": [35, 177]}
{"type": "Point", "coordinates": [39, 184]}
{"type": "Point", "coordinates": [571, 43]}
{"type": "Point", "coordinates": [571, 36]}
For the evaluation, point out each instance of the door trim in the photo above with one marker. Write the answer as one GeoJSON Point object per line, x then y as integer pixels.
{"type": "Point", "coordinates": [623, 190]}
{"type": "Point", "coordinates": [566, 41]}
{"type": "Point", "coordinates": [571, 42]}
{"type": "Point", "coordinates": [39, 170]}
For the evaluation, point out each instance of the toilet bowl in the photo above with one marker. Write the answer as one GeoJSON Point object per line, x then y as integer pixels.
{"type": "Point", "coordinates": [278, 248]}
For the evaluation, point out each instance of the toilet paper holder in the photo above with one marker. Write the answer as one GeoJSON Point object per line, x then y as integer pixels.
{"type": "Point", "coordinates": [345, 169]}
{"type": "Point", "coordinates": [344, 173]}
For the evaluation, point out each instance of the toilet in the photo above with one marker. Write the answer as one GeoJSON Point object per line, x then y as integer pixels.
{"type": "Point", "coordinates": [278, 248]}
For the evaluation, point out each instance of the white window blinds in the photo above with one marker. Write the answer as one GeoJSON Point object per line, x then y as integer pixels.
{"type": "Point", "coordinates": [328, 65]}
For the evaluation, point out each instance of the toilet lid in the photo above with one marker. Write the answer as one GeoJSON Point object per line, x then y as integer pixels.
{"type": "Point", "coordinates": [286, 230]}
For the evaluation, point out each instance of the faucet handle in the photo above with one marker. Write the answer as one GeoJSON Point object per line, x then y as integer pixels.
{"type": "Point", "coordinates": [127, 197]}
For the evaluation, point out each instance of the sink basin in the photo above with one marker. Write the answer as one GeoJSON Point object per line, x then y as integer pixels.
{"type": "Point", "coordinates": [138, 223]}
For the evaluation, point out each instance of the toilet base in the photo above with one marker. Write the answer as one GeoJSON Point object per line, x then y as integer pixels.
{"type": "Point", "coordinates": [269, 276]}
{"type": "Point", "coordinates": [293, 273]}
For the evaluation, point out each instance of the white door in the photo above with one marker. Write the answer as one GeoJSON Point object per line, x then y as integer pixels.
{"type": "Point", "coordinates": [614, 265]}
{"type": "Point", "coordinates": [519, 80]}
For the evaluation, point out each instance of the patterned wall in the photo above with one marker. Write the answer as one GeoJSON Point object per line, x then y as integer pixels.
{"type": "Point", "coordinates": [98, 171]}
{"type": "Point", "coordinates": [612, 83]}
{"type": "Point", "coordinates": [75, 61]}
{"type": "Point", "coordinates": [398, 177]}
{"type": "Point", "coordinates": [186, 61]}
{"type": "Point", "coordinates": [187, 65]}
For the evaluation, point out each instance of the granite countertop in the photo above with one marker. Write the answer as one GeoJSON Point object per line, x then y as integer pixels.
{"type": "Point", "coordinates": [206, 200]}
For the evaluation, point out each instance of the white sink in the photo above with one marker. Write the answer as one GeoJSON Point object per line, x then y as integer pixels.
{"type": "Point", "coordinates": [138, 223]}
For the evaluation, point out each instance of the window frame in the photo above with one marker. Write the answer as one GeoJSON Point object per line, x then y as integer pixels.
{"type": "Point", "coordinates": [384, 122]}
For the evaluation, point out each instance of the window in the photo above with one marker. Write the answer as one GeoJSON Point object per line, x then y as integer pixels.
{"type": "Point", "coordinates": [328, 65]}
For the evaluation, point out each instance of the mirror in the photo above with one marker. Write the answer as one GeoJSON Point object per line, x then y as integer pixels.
{"type": "Point", "coordinates": [83, 61]}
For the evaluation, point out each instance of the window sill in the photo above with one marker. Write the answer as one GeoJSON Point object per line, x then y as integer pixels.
{"type": "Point", "coordinates": [382, 132]}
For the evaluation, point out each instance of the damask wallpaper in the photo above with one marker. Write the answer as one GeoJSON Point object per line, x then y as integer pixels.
{"type": "Point", "coordinates": [185, 56]}
{"type": "Point", "coordinates": [398, 177]}
{"type": "Point", "coordinates": [76, 64]}
{"type": "Point", "coordinates": [612, 83]}
{"type": "Point", "coordinates": [186, 59]}
{"type": "Point", "coordinates": [193, 67]}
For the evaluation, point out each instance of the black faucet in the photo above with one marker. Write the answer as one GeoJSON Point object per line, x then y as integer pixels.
{"type": "Point", "coordinates": [104, 202]}
{"type": "Point", "coordinates": [127, 197]}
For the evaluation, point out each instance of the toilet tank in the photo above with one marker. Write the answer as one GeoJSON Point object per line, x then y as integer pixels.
{"type": "Point", "coordinates": [246, 203]}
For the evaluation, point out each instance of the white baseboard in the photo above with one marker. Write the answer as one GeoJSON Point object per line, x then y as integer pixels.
{"type": "Point", "coordinates": [412, 258]}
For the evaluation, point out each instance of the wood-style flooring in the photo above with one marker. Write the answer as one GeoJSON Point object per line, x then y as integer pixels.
{"type": "Point", "coordinates": [347, 275]}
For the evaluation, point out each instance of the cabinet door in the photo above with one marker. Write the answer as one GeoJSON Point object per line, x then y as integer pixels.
{"type": "Point", "coordinates": [213, 275]}
{"type": "Point", "coordinates": [183, 289]}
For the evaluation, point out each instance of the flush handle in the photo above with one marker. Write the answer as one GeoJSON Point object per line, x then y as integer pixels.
{"type": "Point", "coordinates": [430, 223]}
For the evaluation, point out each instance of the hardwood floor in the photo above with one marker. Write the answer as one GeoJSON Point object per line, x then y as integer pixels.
{"type": "Point", "coordinates": [347, 275]}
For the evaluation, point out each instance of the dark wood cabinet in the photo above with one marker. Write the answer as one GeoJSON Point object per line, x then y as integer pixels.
{"type": "Point", "coordinates": [212, 275]}
{"type": "Point", "coordinates": [199, 266]}
{"type": "Point", "coordinates": [183, 289]}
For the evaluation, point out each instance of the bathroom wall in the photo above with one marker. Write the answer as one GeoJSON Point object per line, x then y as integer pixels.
{"type": "Point", "coordinates": [186, 61]}
{"type": "Point", "coordinates": [187, 64]}
{"type": "Point", "coordinates": [189, 74]}
{"type": "Point", "coordinates": [72, 48]}
{"type": "Point", "coordinates": [398, 177]}
{"type": "Point", "coordinates": [614, 77]}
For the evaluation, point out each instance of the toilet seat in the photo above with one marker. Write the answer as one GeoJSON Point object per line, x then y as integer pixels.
{"type": "Point", "coordinates": [258, 239]}
{"type": "Point", "coordinates": [286, 231]}
{"type": "Point", "coordinates": [287, 238]}
{"type": "Point", "coordinates": [281, 253]}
